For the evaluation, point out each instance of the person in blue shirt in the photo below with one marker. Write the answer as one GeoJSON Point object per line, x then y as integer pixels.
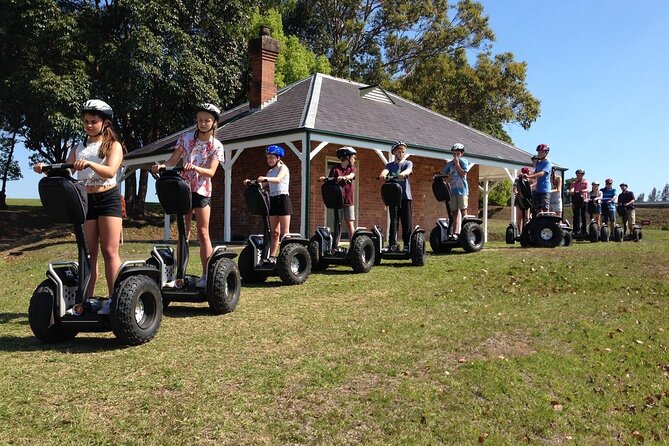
{"type": "Point", "coordinates": [541, 195]}
{"type": "Point", "coordinates": [456, 175]}
{"type": "Point", "coordinates": [402, 168]}
{"type": "Point", "coordinates": [609, 200]}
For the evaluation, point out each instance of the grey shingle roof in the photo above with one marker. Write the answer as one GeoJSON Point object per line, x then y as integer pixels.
{"type": "Point", "coordinates": [341, 109]}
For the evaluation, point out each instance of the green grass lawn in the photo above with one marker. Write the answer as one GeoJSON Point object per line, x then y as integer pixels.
{"type": "Point", "coordinates": [507, 346]}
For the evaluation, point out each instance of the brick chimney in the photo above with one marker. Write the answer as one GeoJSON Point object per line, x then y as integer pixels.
{"type": "Point", "coordinates": [263, 51]}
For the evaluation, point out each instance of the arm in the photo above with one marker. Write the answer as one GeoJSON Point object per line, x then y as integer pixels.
{"type": "Point", "coordinates": [383, 174]}
{"type": "Point", "coordinates": [208, 171]}
{"type": "Point", "coordinates": [406, 172]}
{"type": "Point", "coordinates": [277, 179]}
{"type": "Point", "coordinates": [172, 161]}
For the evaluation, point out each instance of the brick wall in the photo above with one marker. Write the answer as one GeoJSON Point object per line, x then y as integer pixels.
{"type": "Point", "coordinates": [371, 210]}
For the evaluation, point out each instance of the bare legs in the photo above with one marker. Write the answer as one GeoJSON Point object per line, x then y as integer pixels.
{"type": "Point", "coordinates": [108, 231]}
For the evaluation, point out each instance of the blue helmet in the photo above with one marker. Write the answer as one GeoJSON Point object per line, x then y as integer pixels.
{"type": "Point", "coordinates": [275, 150]}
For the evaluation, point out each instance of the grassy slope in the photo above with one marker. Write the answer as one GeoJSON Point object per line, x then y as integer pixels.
{"type": "Point", "coordinates": [507, 346]}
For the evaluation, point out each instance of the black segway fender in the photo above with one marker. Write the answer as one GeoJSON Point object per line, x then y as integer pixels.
{"type": "Point", "coordinates": [511, 232]}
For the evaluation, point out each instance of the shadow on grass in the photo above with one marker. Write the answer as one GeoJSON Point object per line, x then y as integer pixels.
{"type": "Point", "coordinates": [6, 317]}
{"type": "Point", "coordinates": [81, 344]}
{"type": "Point", "coordinates": [181, 310]}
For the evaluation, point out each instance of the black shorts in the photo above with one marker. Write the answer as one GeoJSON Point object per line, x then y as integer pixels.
{"type": "Point", "coordinates": [199, 201]}
{"type": "Point", "coordinates": [104, 204]}
{"type": "Point", "coordinates": [280, 205]}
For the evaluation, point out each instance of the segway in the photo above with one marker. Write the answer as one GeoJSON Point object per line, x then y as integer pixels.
{"type": "Point", "coordinates": [292, 265]}
{"type": "Point", "coordinates": [636, 234]}
{"type": "Point", "coordinates": [442, 239]}
{"type": "Point", "coordinates": [324, 245]}
{"type": "Point", "coordinates": [59, 309]}
{"type": "Point", "coordinates": [544, 230]}
{"type": "Point", "coordinates": [391, 193]}
{"type": "Point", "coordinates": [606, 233]}
{"type": "Point", "coordinates": [223, 285]}
{"type": "Point", "coordinates": [591, 233]}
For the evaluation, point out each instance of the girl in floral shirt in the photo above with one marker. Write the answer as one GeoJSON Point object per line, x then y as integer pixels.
{"type": "Point", "coordinates": [201, 154]}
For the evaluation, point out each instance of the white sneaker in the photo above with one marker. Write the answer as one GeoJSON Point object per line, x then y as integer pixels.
{"type": "Point", "coordinates": [202, 282]}
{"type": "Point", "coordinates": [106, 307]}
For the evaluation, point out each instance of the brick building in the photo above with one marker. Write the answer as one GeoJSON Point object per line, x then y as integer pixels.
{"type": "Point", "coordinates": [311, 119]}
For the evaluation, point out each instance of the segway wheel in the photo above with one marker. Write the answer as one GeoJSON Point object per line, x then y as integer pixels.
{"type": "Point", "coordinates": [546, 233]}
{"type": "Point", "coordinates": [224, 287]}
{"type": "Point", "coordinates": [604, 234]}
{"type": "Point", "coordinates": [418, 251]}
{"type": "Point", "coordinates": [524, 239]}
{"type": "Point", "coordinates": [617, 234]}
{"type": "Point", "coordinates": [293, 264]}
{"type": "Point", "coordinates": [39, 315]}
{"type": "Point", "coordinates": [511, 234]}
{"type": "Point", "coordinates": [435, 242]}
{"type": "Point", "coordinates": [636, 234]}
{"type": "Point", "coordinates": [317, 263]}
{"type": "Point", "coordinates": [137, 310]}
{"type": "Point", "coordinates": [471, 237]}
{"type": "Point", "coordinates": [593, 232]}
{"type": "Point", "coordinates": [247, 269]}
{"type": "Point", "coordinates": [362, 254]}
{"type": "Point", "coordinates": [566, 238]}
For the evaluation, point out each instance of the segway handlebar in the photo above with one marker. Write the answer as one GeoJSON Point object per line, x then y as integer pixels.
{"type": "Point", "coordinates": [347, 180]}
{"type": "Point", "coordinates": [171, 169]}
{"type": "Point", "coordinates": [59, 166]}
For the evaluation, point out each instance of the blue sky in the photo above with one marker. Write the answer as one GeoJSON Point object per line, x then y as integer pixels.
{"type": "Point", "coordinates": [601, 71]}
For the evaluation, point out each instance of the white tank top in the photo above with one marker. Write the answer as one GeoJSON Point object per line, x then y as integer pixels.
{"type": "Point", "coordinates": [89, 152]}
{"type": "Point", "coordinates": [278, 188]}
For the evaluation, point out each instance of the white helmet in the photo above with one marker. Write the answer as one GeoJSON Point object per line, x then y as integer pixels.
{"type": "Point", "coordinates": [458, 146]}
{"type": "Point", "coordinates": [98, 107]}
{"type": "Point", "coordinates": [210, 108]}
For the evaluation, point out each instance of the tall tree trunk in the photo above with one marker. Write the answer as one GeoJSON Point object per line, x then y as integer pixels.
{"type": "Point", "coordinates": [138, 210]}
{"type": "Point", "coordinates": [5, 174]}
{"type": "Point", "coordinates": [130, 196]}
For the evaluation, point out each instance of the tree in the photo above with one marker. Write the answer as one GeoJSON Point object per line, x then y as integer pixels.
{"type": "Point", "coordinates": [9, 167]}
{"type": "Point", "coordinates": [485, 96]}
{"type": "Point", "coordinates": [665, 193]}
{"type": "Point", "coordinates": [295, 61]}
{"type": "Point", "coordinates": [641, 197]}
{"type": "Point", "coordinates": [155, 61]}
{"type": "Point", "coordinates": [42, 89]}
{"type": "Point", "coordinates": [653, 195]}
{"type": "Point", "coordinates": [376, 40]}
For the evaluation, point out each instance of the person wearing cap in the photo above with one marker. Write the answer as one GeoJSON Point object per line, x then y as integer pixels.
{"type": "Point", "coordinates": [97, 161]}
{"type": "Point", "coordinates": [626, 199]}
{"type": "Point", "coordinates": [595, 203]}
{"type": "Point", "coordinates": [401, 168]}
{"type": "Point", "coordinates": [455, 172]}
{"type": "Point", "coordinates": [345, 174]}
{"type": "Point", "coordinates": [609, 200]}
{"type": "Point", "coordinates": [277, 182]}
{"type": "Point", "coordinates": [522, 206]}
{"type": "Point", "coordinates": [541, 196]}
{"type": "Point", "coordinates": [201, 153]}
{"type": "Point", "coordinates": [579, 201]}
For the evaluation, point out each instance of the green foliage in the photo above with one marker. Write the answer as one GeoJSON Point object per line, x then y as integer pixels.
{"type": "Point", "coordinates": [499, 195]}
{"type": "Point", "coordinates": [486, 96]}
{"type": "Point", "coordinates": [295, 61]}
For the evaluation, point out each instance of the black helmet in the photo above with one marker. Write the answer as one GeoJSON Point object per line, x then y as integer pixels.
{"type": "Point", "coordinates": [581, 171]}
{"type": "Point", "coordinates": [346, 151]}
{"type": "Point", "coordinates": [210, 108]}
{"type": "Point", "coordinates": [396, 145]}
{"type": "Point", "coordinates": [458, 146]}
{"type": "Point", "coordinates": [623, 184]}
{"type": "Point", "coordinates": [98, 107]}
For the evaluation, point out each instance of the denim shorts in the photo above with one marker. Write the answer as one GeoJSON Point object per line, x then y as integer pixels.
{"type": "Point", "coordinates": [280, 205]}
{"type": "Point", "coordinates": [104, 204]}
{"type": "Point", "coordinates": [199, 201]}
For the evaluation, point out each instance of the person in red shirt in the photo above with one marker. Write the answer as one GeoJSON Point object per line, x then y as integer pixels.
{"type": "Point", "coordinates": [579, 201]}
{"type": "Point", "coordinates": [345, 174]}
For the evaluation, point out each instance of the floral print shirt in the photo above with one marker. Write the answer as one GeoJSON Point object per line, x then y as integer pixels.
{"type": "Point", "coordinates": [199, 153]}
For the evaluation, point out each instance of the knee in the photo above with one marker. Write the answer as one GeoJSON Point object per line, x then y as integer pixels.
{"type": "Point", "coordinates": [203, 234]}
